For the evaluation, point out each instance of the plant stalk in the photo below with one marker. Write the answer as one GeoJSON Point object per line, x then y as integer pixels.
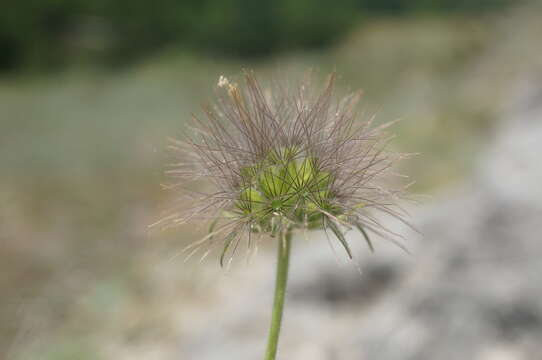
{"type": "Point", "coordinates": [283, 260]}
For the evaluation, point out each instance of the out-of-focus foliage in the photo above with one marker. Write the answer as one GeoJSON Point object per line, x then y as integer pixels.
{"type": "Point", "coordinates": [51, 33]}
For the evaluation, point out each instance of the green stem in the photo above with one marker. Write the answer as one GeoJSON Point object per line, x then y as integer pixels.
{"type": "Point", "coordinates": [285, 243]}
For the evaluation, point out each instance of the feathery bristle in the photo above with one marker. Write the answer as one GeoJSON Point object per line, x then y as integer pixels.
{"type": "Point", "coordinates": [284, 157]}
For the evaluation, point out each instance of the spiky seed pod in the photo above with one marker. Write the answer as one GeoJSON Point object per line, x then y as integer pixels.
{"type": "Point", "coordinates": [284, 158]}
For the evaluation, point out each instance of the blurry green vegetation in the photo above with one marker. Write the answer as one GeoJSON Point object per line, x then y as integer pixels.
{"type": "Point", "coordinates": [48, 34]}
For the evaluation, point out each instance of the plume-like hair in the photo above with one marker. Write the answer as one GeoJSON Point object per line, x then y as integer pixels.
{"type": "Point", "coordinates": [283, 157]}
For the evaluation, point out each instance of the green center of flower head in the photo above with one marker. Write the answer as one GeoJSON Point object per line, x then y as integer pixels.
{"type": "Point", "coordinates": [287, 185]}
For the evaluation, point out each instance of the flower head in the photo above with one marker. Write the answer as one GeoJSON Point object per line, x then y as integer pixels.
{"type": "Point", "coordinates": [284, 158]}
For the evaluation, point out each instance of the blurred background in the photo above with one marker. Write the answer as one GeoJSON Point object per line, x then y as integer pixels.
{"type": "Point", "coordinates": [89, 92]}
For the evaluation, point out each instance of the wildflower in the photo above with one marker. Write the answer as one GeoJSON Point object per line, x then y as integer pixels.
{"type": "Point", "coordinates": [283, 159]}
{"type": "Point", "coordinates": [279, 160]}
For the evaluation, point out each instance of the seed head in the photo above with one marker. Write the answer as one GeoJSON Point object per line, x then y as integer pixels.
{"type": "Point", "coordinates": [283, 158]}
